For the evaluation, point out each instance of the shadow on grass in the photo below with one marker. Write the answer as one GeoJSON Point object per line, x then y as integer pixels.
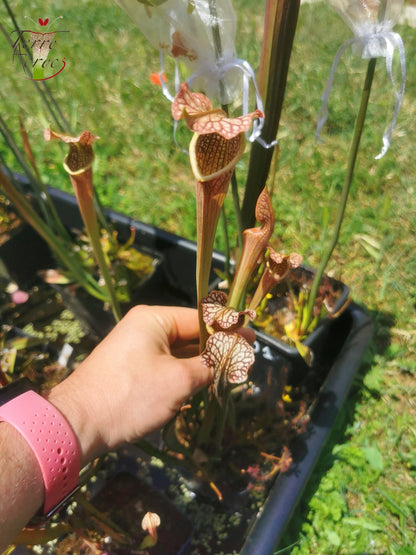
{"type": "Point", "coordinates": [380, 342]}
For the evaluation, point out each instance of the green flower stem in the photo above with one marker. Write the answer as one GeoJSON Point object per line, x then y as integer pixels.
{"type": "Point", "coordinates": [355, 143]}
{"type": "Point", "coordinates": [94, 235]}
{"type": "Point", "coordinates": [59, 248]}
{"type": "Point", "coordinates": [217, 38]}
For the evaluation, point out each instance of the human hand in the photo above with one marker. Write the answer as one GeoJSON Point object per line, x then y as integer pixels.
{"type": "Point", "coordinates": [133, 382]}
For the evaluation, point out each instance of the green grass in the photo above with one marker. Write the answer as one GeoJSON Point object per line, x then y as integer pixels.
{"type": "Point", "coordinates": [361, 498]}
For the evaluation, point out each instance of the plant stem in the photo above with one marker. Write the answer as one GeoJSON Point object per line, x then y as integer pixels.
{"type": "Point", "coordinates": [227, 244]}
{"type": "Point", "coordinates": [355, 143]}
{"type": "Point", "coordinates": [237, 210]}
{"type": "Point", "coordinates": [40, 536]}
{"type": "Point", "coordinates": [84, 191]}
{"type": "Point", "coordinates": [222, 415]}
{"type": "Point", "coordinates": [102, 517]}
{"type": "Point", "coordinates": [217, 40]}
{"type": "Point", "coordinates": [94, 235]}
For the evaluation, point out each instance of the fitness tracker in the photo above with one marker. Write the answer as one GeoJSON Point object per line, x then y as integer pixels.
{"type": "Point", "coordinates": [50, 437]}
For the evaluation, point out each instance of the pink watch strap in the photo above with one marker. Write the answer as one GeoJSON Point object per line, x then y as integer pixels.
{"type": "Point", "coordinates": [51, 439]}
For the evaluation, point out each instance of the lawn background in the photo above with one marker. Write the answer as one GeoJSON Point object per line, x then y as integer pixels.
{"type": "Point", "coordinates": [362, 496]}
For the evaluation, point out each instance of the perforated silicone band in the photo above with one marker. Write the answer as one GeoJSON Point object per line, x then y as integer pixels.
{"type": "Point", "coordinates": [51, 439]}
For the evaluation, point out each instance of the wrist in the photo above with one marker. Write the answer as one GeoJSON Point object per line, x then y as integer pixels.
{"type": "Point", "coordinates": [21, 478]}
{"type": "Point", "coordinates": [76, 410]}
{"type": "Point", "coordinates": [49, 436]}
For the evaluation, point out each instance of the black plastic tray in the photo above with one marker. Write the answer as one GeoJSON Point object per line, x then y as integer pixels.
{"type": "Point", "coordinates": [269, 526]}
{"type": "Point", "coordinates": [349, 335]}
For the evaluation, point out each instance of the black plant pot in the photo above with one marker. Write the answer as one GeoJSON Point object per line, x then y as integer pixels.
{"type": "Point", "coordinates": [338, 354]}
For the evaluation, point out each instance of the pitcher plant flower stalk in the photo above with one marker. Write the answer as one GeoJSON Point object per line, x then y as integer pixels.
{"type": "Point", "coordinates": [377, 19]}
{"type": "Point", "coordinates": [352, 158]}
{"type": "Point", "coordinates": [78, 164]}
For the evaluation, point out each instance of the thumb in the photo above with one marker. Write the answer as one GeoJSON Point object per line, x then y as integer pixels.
{"type": "Point", "coordinates": [199, 375]}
